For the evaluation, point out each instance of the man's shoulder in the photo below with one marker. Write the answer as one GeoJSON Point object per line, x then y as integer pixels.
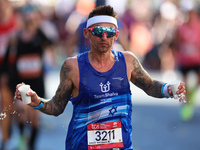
{"type": "Point", "coordinates": [128, 55]}
{"type": "Point", "coordinates": [71, 61]}
{"type": "Point", "coordinates": [74, 60]}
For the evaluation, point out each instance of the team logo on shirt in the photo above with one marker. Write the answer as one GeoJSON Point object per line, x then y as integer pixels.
{"type": "Point", "coordinates": [113, 110]}
{"type": "Point", "coordinates": [105, 87]}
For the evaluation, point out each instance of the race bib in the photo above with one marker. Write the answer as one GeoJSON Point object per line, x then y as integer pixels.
{"type": "Point", "coordinates": [104, 135]}
{"type": "Point", "coordinates": [29, 66]}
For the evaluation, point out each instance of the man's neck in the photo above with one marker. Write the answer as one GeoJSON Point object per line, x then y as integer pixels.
{"type": "Point", "coordinates": [102, 62]}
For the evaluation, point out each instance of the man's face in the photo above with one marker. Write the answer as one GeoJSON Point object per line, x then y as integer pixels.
{"type": "Point", "coordinates": [32, 20]}
{"type": "Point", "coordinates": [101, 44]}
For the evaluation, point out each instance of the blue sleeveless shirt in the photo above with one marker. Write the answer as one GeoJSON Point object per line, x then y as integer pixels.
{"type": "Point", "coordinates": [103, 97]}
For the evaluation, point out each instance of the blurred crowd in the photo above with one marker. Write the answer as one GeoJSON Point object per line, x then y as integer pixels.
{"type": "Point", "coordinates": [37, 36]}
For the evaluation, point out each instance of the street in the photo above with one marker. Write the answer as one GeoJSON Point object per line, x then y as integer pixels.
{"type": "Point", "coordinates": [156, 123]}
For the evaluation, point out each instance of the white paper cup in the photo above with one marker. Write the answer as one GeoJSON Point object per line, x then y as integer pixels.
{"type": "Point", "coordinates": [174, 86]}
{"type": "Point", "coordinates": [23, 90]}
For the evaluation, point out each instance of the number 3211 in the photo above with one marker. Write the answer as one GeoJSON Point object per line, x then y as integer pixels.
{"type": "Point", "coordinates": [102, 135]}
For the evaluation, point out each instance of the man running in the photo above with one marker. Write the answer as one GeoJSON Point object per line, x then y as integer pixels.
{"type": "Point", "coordinates": [97, 84]}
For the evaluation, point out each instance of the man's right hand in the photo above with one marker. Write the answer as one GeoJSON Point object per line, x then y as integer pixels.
{"type": "Point", "coordinates": [35, 99]}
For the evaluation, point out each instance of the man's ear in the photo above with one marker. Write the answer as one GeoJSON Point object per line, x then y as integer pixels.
{"type": "Point", "coordinates": [116, 36]}
{"type": "Point", "coordinates": [86, 33]}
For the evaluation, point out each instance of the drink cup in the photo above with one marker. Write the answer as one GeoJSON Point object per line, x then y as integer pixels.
{"type": "Point", "coordinates": [23, 90]}
{"type": "Point", "coordinates": [174, 86]}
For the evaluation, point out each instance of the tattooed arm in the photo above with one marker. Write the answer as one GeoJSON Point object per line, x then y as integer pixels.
{"type": "Point", "coordinates": [138, 76]}
{"type": "Point", "coordinates": [57, 104]}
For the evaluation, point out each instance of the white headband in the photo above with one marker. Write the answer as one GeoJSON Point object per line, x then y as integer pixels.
{"type": "Point", "coordinates": [101, 19]}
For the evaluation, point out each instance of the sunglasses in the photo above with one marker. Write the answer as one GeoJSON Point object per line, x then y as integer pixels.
{"type": "Point", "coordinates": [98, 31]}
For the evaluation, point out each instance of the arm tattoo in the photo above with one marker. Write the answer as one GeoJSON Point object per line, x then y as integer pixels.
{"type": "Point", "coordinates": [144, 81]}
{"type": "Point", "coordinates": [58, 103]}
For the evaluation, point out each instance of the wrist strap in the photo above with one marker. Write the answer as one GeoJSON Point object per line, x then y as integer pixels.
{"type": "Point", "coordinates": [164, 90]}
{"type": "Point", "coordinates": [40, 105]}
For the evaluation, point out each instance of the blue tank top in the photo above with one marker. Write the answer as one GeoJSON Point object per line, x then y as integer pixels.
{"type": "Point", "coordinates": [103, 97]}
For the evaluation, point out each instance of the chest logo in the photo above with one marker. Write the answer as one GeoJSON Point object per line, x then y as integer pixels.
{"type": "Point", "coordinates": [113, 110]}
{"type": "Point", "coordinates": [105, 87]}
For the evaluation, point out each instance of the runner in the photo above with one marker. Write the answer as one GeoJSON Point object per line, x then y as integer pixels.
{"type": "Point", "coordinates": [8, 28]}
{"type": "Point", "coordinates": [97, 84]}
{"type": "Point", "coordinates": [186, 52]}
{"type": "Point", "coordinates": [27, 52]}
